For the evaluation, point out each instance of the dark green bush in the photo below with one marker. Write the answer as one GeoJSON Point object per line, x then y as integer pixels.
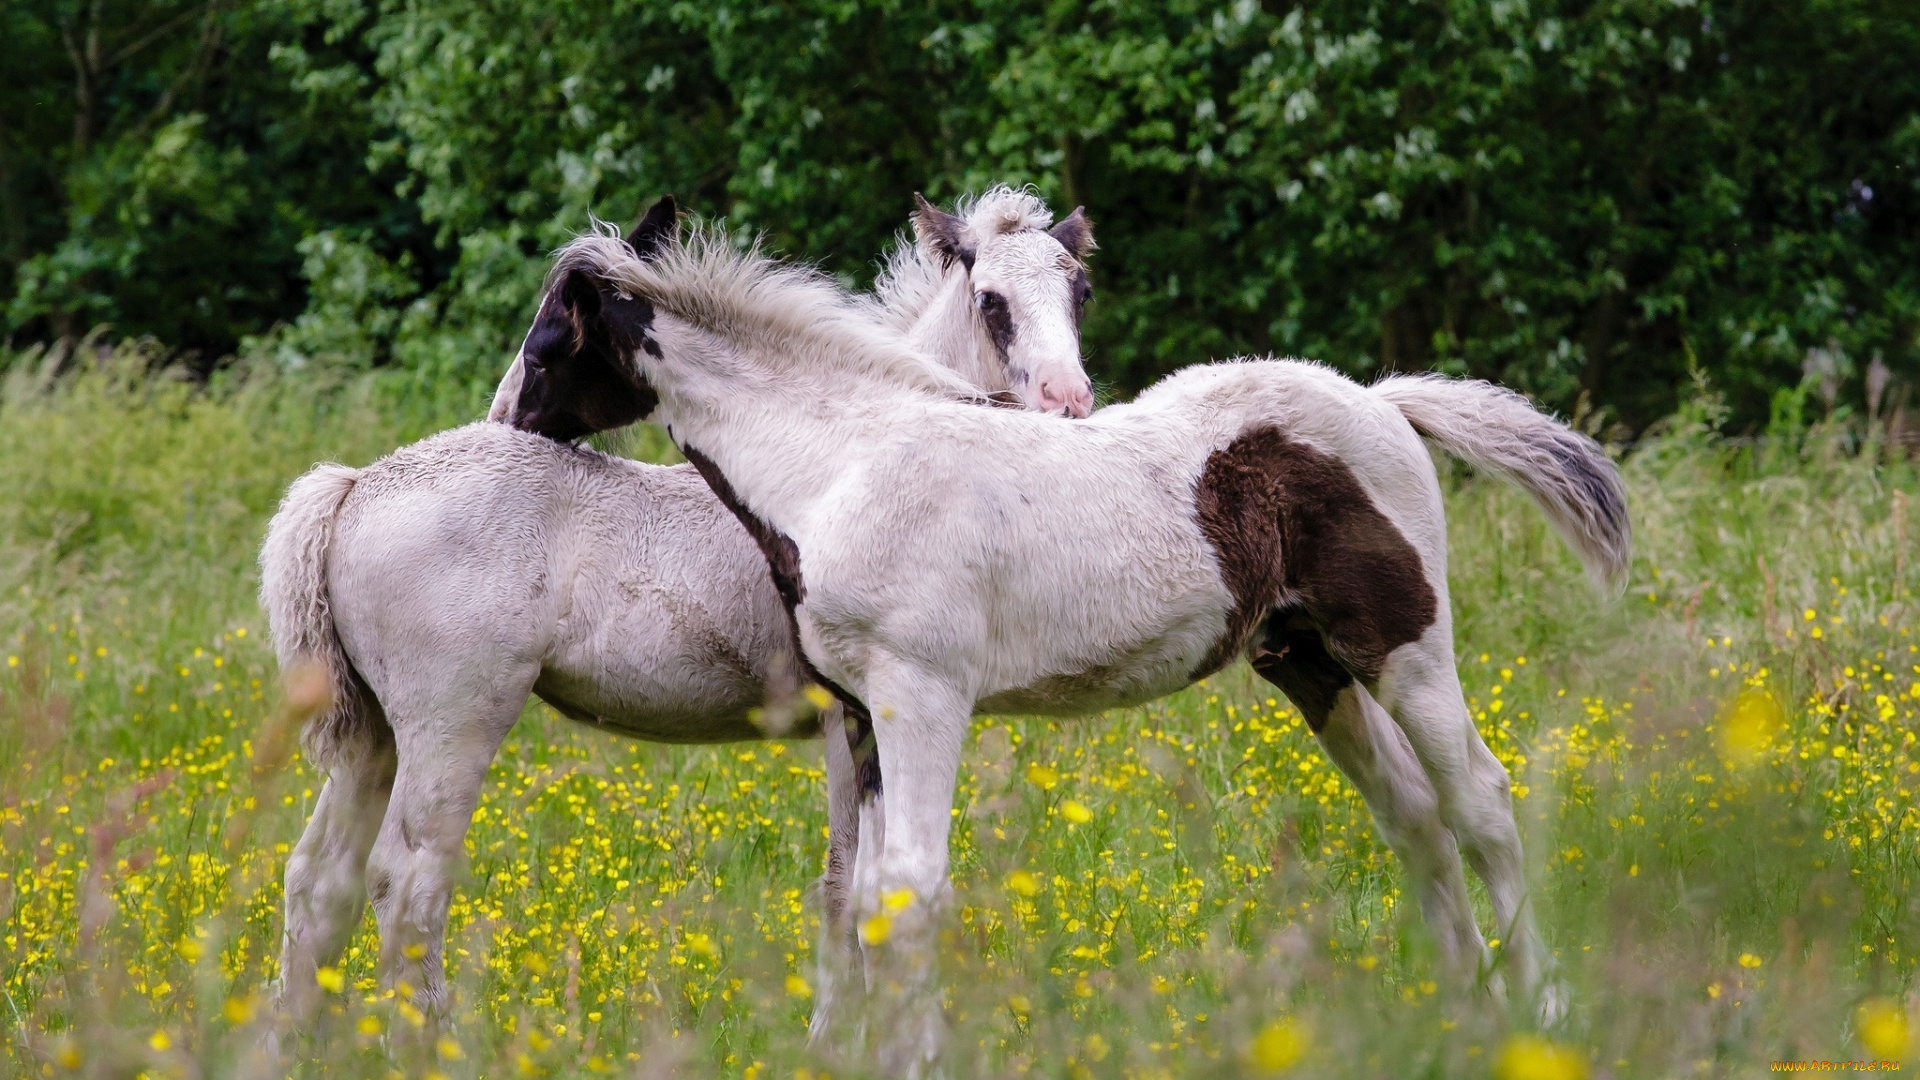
{"type": "Point", "coordinates": [1577, 197]}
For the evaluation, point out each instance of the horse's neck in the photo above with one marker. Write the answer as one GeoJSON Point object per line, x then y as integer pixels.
{"type": "Point", "coordinates": [947, 331]}
{"type": "Point", "coordinates": [765, 430]}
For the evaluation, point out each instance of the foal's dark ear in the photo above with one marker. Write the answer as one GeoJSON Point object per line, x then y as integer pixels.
{"type": "Point", "coordinates": [941, 231]}
{"type": "Point", "coordinates": [1076, 233]}
{"type": "Point", "coordinates": [656, 228]}
{"type": "Point", "coordinates": [580, 294]}
{"type": "Point", "coordinates": [579, 297]}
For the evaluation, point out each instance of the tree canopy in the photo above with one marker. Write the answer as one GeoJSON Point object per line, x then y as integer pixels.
{"type": "Point", "coordinates": [1580, 198]}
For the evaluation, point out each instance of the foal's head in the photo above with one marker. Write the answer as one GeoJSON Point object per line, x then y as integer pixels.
{"type": "Point", "coordinates": [1029, 289]}
{"type": "Point", "coordinates": [575, 374]}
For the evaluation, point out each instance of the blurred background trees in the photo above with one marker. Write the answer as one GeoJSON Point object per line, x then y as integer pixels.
{"type": "Point", "coordinates": [1590, 200]}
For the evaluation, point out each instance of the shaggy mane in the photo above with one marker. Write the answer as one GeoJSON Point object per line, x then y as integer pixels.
{"type": "Point", "coordinates": [913, 272]}
{"type": "Point", "coordinates": [791, 310]}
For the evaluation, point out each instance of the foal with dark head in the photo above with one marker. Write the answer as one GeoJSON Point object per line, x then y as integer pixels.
{"type": "Point", "coordinates": [572, 378]}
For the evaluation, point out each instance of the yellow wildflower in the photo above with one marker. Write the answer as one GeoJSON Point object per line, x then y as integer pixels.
{"type": "Point", "coordinates": [1529, 1057]}
{"type": "Point", "coordinates": [1882, 1026]}
{"type": "Point", "coordinates": [1278, 1046]}
{"type": "Point", "coordinates": [1750, 725]}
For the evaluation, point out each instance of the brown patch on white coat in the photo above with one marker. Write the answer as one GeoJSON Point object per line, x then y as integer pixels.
{"type": "Point", "coordinates": [1303, 550]}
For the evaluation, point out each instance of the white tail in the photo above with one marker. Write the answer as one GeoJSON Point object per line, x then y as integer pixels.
{"type": "Point", "coordinates": [293, 589]}
{"type": "Point", "coordinates": [1500, 432]}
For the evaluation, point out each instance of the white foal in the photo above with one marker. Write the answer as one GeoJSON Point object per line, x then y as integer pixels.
{"type": "Point", "coordinates": [942, 559]}
{"type": "Point", "coordinates": [441, 585]}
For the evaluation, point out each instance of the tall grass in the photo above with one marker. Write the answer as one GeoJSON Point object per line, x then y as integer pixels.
{"type": "Point", "coordinates": [1716, 773]}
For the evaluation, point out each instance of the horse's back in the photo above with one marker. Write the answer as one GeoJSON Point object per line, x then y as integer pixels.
{"type": "Point", "coordinates": [1144, 596]}
{"type": "Point", "coordinates": [1019, 520]}
{"type": "Point", "coordinates": [484, 554]}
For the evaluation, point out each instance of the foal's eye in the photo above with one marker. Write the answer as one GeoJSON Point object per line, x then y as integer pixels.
{"type": "Point", "coordinates": [989, 301]}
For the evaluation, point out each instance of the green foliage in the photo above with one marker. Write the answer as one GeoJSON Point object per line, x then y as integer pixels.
{"type": "Point", "coordinates": [162, 160]}
{"type": "Point", "coordinates": [1580, 199]}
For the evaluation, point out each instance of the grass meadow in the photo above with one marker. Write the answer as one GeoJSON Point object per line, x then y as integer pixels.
{"type": "Point", "coordinates": [1715, 774]}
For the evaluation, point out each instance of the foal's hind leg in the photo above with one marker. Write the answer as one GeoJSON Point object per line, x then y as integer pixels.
{"type": "Point", "coordinates": [836, 973]}
{"type": "Point", "coordinates": [1420, 687]}
{"type": "Point", "coordinates": [843, 819]}
{"type": "Point", "coordinates": [1370, 751]}
{"type": "Point", "coordinates": [444, 756]}
{"type": "Point", "coordinates": [326, 886]}
{"type": "Point", "coordinates": [1366, 746]}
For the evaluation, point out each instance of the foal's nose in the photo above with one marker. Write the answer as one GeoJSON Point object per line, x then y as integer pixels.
{"type": "Point", "coordinates": [1073, 397]}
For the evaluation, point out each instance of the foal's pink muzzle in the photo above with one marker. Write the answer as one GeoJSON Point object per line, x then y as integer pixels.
{"type": "Point", "coordinates": [1072, 396]}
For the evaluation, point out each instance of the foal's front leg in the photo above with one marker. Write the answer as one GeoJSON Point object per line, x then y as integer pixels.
{"type": "Point", "coordinates": [920, 724]}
